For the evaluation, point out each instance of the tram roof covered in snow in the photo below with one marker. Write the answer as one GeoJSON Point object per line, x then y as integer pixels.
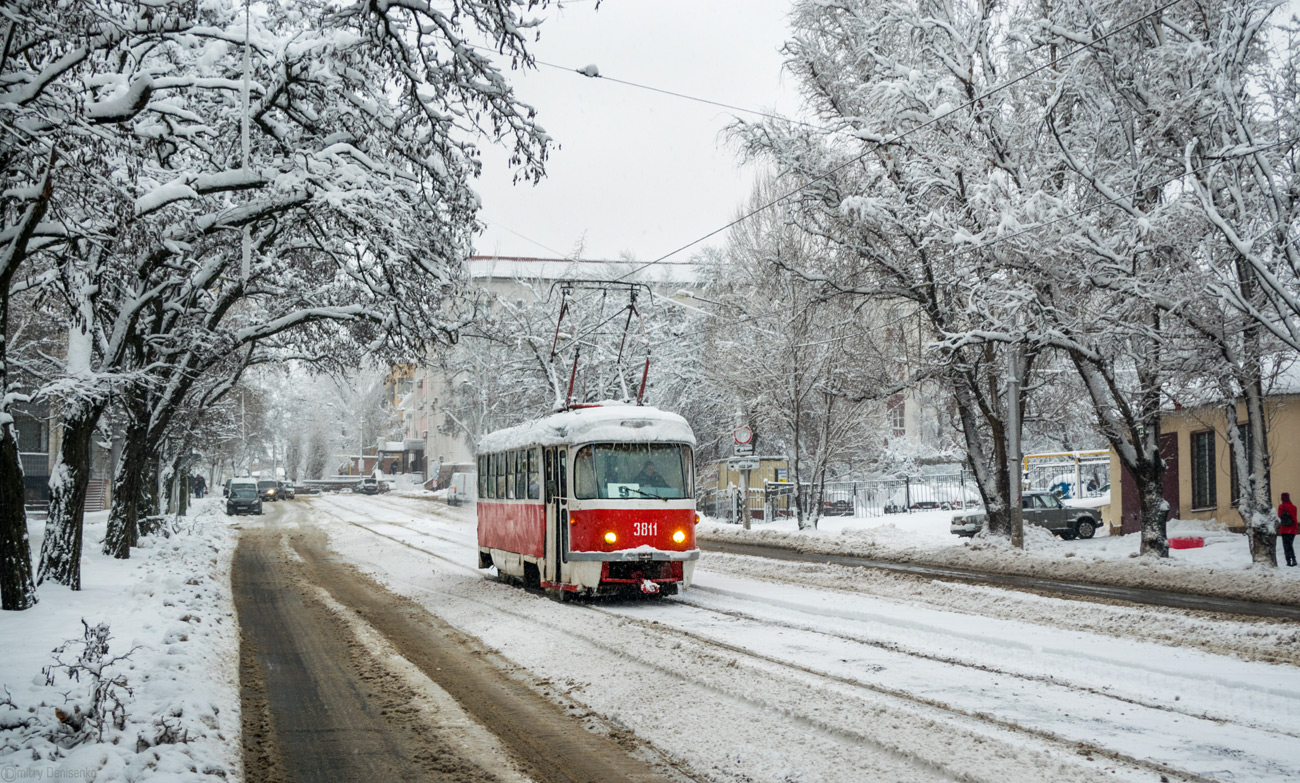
{"type": "Point", "coordinates": [606, 422]}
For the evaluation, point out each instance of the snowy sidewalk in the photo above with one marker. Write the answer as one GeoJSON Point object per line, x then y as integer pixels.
{"type": "Point", "coordinates": [170, 675]}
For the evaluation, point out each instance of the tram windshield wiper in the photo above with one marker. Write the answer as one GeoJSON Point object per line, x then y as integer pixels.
{"type": "Point", "coordinates": [625, 489]}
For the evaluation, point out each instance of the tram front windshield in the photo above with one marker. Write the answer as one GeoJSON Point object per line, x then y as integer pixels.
{"type": "Point", "coordinates": [632, 470]}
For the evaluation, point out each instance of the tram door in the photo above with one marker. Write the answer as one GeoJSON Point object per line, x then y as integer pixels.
{"type": "Point", "coordinates": [557, 515]}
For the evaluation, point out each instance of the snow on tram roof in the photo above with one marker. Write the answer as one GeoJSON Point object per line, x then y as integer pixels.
{"type": "Point", "coordinates": [609, 421]}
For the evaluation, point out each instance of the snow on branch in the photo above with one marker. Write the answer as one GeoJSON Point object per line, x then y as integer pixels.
{"type": "Point", "coordinates": [123, 104]}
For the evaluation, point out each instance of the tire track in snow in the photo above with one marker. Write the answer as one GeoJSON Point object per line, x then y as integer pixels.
{"type": "Point", "coordinates": [1071, 745]}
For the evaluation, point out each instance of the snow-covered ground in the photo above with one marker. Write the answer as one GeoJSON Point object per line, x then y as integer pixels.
{"type": "Point", "coordinates": [173, 654]}
{"type": "Point", "coordinates": [765, 671]}
{"type": "Point", "coordinates": [1221, 567]}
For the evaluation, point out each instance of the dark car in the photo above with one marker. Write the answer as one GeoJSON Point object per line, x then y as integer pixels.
{"type": "Point", "coordinates": [840, 507]}
{"type": "Point", "coordinates": [243, 499]}
{"type": "Point", "coordinates": [268, 490]}
{"type": "Point", "coordinates": [1044, 510]}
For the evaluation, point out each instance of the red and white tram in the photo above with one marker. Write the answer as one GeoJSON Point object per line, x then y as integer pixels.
{"type": "Point", "coordinates": [595, 500]}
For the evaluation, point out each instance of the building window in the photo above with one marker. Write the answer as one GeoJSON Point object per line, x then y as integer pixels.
{"type": "Point", "coordinates": [898, 415]}
{"type": "Point", "coordinates": [1203, 473]}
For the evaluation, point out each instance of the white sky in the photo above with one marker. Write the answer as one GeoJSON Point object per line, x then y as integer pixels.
{"type": "Point", "coordinates": [639, 172]}
{"type": "Point", "coordinates": [636, 171]}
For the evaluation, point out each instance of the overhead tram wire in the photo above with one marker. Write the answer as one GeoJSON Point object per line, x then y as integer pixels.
{"type": "Point", "coordinates": [900, 136]}
{"type": "Point", "coordinates": [662, 91]}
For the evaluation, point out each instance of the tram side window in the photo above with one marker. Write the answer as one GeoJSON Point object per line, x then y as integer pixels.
{"type": "Point", "coordinates": [499, 473]}
{"type": "Point", "coordinates": [584, 473]}
{"type": "Point", "coordinates": [534, 481]}
{"type": "Point", "coordinates": [564, 476]}
{"type": "Point", "coordinates": [482, 479]}
{"type": "Point", "coordinates": [510, 475]}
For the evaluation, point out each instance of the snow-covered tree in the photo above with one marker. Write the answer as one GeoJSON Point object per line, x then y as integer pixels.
{"type": "Point", "coordinates": [789, 352]}
{"type": "Point", "coordinates": [333, 211]}
{"type": "Point", "coordinates": [914, 162]}
{"type": "Point", "coordinates": [503, 372]}
{"type": "Point", "coordinates": [1187, 121]}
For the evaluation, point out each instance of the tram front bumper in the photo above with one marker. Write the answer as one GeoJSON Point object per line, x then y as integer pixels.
{"type": "Point", "coordinates": [635, 555]}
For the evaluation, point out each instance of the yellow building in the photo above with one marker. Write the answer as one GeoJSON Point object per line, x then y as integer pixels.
{"type": "Point", "coordinates": [716, 475]}
{"type": "Point", "coordinates": [1200, 478]}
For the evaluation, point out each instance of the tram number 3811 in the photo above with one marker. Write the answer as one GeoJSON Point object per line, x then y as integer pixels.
{"type": "Point", "coordinates": [645, 528]}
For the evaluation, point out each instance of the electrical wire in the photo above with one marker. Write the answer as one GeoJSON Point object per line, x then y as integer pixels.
{"type": "Point", "coordinates": [898, 137]}
{"type": "Point", "coordinates": [597, 75]}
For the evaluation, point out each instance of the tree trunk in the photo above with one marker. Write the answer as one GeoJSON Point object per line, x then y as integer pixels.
{"type": "Point", "coordinates": [1155, 510]}
{"type": "Point", "coordinates": [1255, 501]}
{"type": "Point", "coordinates": [183, 500]}
{"type": "Point", "coordinates": [128, 488]}
{"type": "Point", "coordinates": [1131, 425]}
{"type": "Point", "coordinates": [17, 590]}
{"type": "Point", "coordinates": [990, 475]}
{"type": "Point", "coordinates": [61, 550]}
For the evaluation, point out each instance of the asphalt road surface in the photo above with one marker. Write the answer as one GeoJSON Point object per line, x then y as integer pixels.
{"type": "Point", "coordinates": [343, 680]}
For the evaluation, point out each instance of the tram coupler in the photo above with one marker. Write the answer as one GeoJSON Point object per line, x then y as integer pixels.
{"type": "Point", "coordinates": [647, 587]}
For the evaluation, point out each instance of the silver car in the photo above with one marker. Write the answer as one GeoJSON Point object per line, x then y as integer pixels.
{"type": "Point", "coordinates": [1044, 510]}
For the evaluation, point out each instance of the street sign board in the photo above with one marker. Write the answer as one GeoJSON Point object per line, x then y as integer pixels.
{"type": "Point", "coordinates": [744, 463]}
{"type": "Point", "coordinates": [743, 435]}
{"type": "Point", "coordinates": [742, 449]}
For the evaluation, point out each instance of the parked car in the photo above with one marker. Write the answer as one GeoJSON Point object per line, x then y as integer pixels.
{"type": "Point", "coordinates": [1044, 510]}
{"type": "Point", "coordinates": [838, 507]}
{"type": "Point", "coordinates": [268, 490]}
{"type": "Point", "coordinates": [287, 490]}
{"type": "Point", "coordinates": [243, 498]}
{"type": "Point", "coordinates": [462, 488]}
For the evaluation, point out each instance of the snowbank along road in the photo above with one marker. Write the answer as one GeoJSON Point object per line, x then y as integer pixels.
{"type": "Point", "coordinates": [762, 671]}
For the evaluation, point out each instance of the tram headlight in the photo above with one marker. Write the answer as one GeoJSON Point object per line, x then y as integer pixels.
{"type": "Point", "coordinates": [679, 537]}
{"type": "Point", "coordinates": [611, 537]}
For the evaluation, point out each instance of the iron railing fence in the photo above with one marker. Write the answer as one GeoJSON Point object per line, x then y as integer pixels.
{"type": "Point", "coordinates": [1069, 475]}
{"type": "Point", "coordinates": [867, 498]}
{"type": "Point", "coordinates": [725, 504]}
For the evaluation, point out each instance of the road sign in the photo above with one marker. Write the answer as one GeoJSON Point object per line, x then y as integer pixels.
{"type": "Point", "coordinates": [743, 435]}
{"type": "Point", "coordinates": [742, 449]}
{"type": "Point", "coordinates": [747, 463]}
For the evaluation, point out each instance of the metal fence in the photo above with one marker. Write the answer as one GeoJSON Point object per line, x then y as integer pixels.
{"type": "Point", "coordinates": [725, 504]}
{"type": "Point", "coordinates": [870, 498]}
{"type": "Point", "coordinates": [1069, 475]}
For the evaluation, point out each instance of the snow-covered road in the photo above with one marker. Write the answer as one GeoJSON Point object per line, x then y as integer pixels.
{"type": "Point", "coordinates": [765, 671]}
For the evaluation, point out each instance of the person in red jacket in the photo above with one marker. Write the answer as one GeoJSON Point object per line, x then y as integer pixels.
{"type": "Point", "coordinates": [1287, 527]}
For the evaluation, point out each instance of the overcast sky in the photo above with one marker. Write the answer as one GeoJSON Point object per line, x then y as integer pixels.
{"type": "Point", "coordinates": [636, 171]}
